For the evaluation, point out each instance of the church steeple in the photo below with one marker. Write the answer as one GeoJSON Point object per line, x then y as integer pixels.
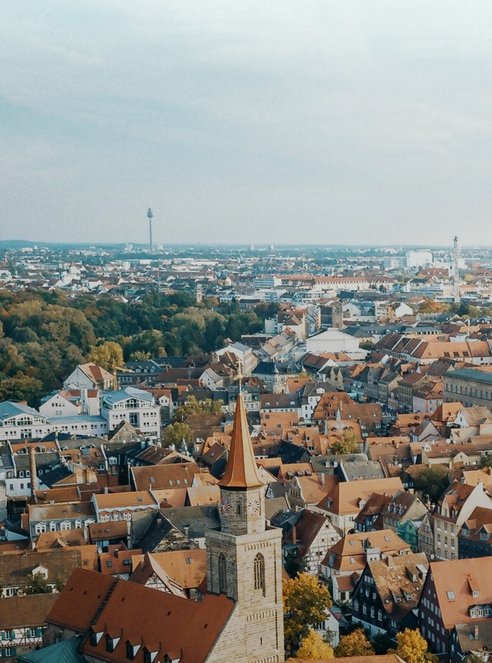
{"type": "Point", "coordinates": [244, 558]}
{"type": "Point", "coordinates": [241, 470]}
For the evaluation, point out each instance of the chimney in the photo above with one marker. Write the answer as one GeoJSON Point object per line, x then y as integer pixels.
{"type": "Point", "coordinates": [32, 470]}
{"type": "Point", "coordinates": [475, 632]}
{"type": "Point", "coordinates": [129, 539]}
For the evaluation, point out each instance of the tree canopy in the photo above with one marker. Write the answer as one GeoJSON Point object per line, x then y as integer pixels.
{"type": "Point", "coordinates": [306, 601]}
{"type": "Point", "coordinates": [44, 335]}
{"type": "Point", "coordinates": [314, 648]}
{"type": "Point", "coordinates": [432, 481]}
{"type": "Point", "coordinates": [347, 444]}
{"type": "Point", "coordinates": [413, 648]}
{"type": "Point", "coordinates": [354, 644]}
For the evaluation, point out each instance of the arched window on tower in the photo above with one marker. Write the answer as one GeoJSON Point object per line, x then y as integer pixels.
{"type": "Point", "coordinates": [222, 574]}
{"type": "Point", "coordinates": [259, 573]}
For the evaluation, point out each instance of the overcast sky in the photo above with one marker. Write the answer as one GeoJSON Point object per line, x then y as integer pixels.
{"type": "Point", "coordinates": [274, 121]}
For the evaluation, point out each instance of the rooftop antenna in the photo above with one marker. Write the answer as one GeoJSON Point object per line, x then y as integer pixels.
{"type": "Point", "coordinates": [150, 216]}
{"type": "Point", "coordinates": [456, 272]}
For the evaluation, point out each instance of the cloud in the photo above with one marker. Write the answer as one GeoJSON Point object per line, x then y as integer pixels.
{"type": "Point", "coordinates": [341, 121]}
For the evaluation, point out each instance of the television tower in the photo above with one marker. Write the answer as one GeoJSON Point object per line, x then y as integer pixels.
{"type": "Point", "coordinates": [456, 272]}
{"type": "Point", "coordinates": [150, 216]}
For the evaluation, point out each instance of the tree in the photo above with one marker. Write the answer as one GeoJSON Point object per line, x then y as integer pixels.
{"type": "Point", "coordinates": [432, 481]}
{"type": "Point", "coordinates": [347, 444]}
{"type": "Point", "coordinates": [35, 584]}
{"type": "Point", "coordinates": [306, 601]}
{"type": "Point", "coordinates": [108, 355]}
{"type": "Point", "coordinates": [194, 406]}
{"type": "Point", "coordinates": [354, 644]}
{"type": "Point", "coordinates": [412, 647]}
{"type": "Point", "coordinates": [431, 306]}
{"type": "Point", "coordinates": [314, 648]}
{"type": "Point", "coordinates": [382, 642]}
{"type": "Point", "coordinates": [176, 433]}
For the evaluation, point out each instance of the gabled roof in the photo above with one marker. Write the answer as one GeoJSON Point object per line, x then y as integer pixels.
{"type": "Point", "coordinates": [454, 581]}
{"type": "Point", "coordinates": [158, 621]}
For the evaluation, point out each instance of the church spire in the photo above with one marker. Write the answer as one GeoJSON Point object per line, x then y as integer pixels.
{"type": "Point", "coordinates": [241, 470]}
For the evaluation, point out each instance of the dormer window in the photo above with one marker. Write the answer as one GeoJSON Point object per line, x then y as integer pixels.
{"type": "Point", "coordinates": [149, 656]}
{"type": "Point", "coordinates": [131, 650]}
{"type": "Point", "coordinates": [96, 637]}
{"type": "Point", "coordinates": [111, 643]}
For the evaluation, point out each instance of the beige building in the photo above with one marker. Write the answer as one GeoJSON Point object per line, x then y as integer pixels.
{"type": "Point", "coordinates": [453, 509]}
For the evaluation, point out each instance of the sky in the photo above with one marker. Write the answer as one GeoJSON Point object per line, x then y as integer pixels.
{"type": "Point", "coordinates": [255, 121]}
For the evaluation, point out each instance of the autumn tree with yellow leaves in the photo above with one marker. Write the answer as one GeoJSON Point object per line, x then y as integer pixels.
{"type": "Point", "coordinates": [306, 601]}
{"type": "Point", "coordinates": [314, 648]}
{"type": "Point", "coordinates": [354, 644]}
{"type": "Point", "coordinates": [412, 647]}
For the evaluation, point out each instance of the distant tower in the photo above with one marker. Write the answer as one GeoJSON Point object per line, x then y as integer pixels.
{"type": "Point", "coordinates": [150, 216]}
{"type": "Point", "coordinates": [456, 272]}
{"type": "Point", "coordinates": [199, 293]}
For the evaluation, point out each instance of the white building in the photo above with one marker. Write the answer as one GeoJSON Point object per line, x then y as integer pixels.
{"type": "Point", "coordinates": [421, 258]}
{"type": "Point", "coordinates": [89, 376]}
{"type": "Point", "coordinates": [19, 421]}
{"type": "Point", "coordinates": [136, 406]}
{"type": "Point", "coordinates": [334, 340]}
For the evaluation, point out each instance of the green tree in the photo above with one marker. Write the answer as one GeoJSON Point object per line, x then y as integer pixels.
{"type": "Point", "coordinates": [195, 406]}
{"type": "Point", "coordinates": [354, 644]}
{"type": "Point", "coordinates": [175, 433]}
{"type": "Point", "coordinates": [432, 481]}
{"type": "Point", "coordinates": [306, 601]}
{"type": "Point", "coordinates": [35, 584]}
{"type": "Point", "coordinates": [382, 642]}
{"type": "Point", "coordinates": [314, 648]}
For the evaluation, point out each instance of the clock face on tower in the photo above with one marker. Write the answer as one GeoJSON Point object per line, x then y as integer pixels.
{"type": "Point", "coordinates": [254, 506]}
{"type": "Point", "coordinates": [225, 506]}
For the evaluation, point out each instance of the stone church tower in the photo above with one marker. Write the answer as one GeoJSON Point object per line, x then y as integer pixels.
{"type": "Point", "coordinates": [245, 558]}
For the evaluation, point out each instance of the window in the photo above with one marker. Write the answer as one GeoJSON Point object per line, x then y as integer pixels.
{"type": "Point", "coordinates": [222, 574]}
{"type": "Point", "coordinates": [111, 643]}
{"type": "Point", "coordinates": [131, 650]}
{"type": "Point", "coordinates": [259, 573]}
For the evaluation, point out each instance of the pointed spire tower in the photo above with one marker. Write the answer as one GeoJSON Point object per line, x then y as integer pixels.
{"type": "Point", "coordinates": [242, 492]}
{"type": "Point", "coordinates": [241, 470]}
{"type": "Point", "coordinates": [244, 558]}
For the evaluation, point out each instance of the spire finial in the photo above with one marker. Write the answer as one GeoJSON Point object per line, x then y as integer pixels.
{"type": "Point", "coordinates": [240, 375]}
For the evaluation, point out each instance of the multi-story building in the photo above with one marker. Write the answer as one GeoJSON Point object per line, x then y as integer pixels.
{"type": "Point", "coordinates": [343, 502]}
{"type": "Point", "coordinates": [345, 561]}
{"type": "Point", "coordinates": [22, 620]}
{"type": "Point", "coordinates": [18, 421]}
{"type": "Point", "coordinates": [469, 386]}
{"type": "Point", "coordinates": [387, 593]}
{"type": "Point", "coordinates": [59, 517]}
{"type": "Point", "coordinates": [453, 509]}
{"type": "Point", "coordinates": [136, 406]}
{"type": "Point", "coordinates": [456, 593]}
{"type": "Point", "coordinates": [475, 537]}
